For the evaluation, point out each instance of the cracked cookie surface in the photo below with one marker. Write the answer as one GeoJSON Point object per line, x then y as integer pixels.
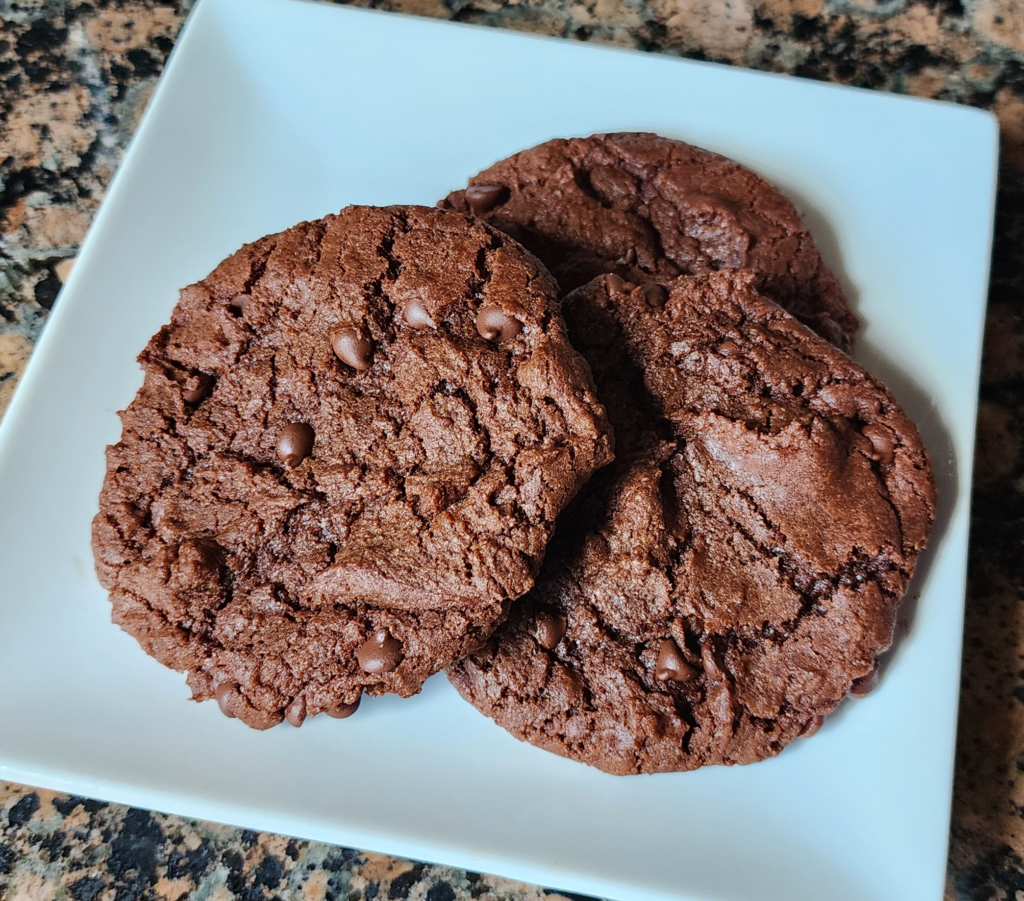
{"type": "Point", "coordinates": [348, 454]}
{"type": "Point", "coordinates": [720, 588]}
{"type": "Point", "coordinates": [649, 209]}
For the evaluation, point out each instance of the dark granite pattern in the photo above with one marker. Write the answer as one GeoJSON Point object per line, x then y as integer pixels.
{"type": "Point", "coordinates": [74, 79]}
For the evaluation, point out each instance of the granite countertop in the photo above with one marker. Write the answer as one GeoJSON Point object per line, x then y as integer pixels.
{"type": "Point", "coordinates": [76, 76]}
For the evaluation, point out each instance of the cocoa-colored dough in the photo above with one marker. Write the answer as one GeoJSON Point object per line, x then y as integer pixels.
{"type": "Point", "coordinates": [721, 587]}
{"type": "Point", "coordinates": [648, 209]}
{"type": "Point", "coordinates": [331, 482]}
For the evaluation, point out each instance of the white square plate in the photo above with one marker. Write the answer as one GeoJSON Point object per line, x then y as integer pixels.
{"type": "Point", "coordinates": [273, 111]}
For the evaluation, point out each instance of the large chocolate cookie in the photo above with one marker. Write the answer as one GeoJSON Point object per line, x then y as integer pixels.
{"type": "Point", "coordinates": [721, 587]}
{"type": "Point", "coordinates": [650, 209]}
{"type": "Point", "coordinates": [349, 452]}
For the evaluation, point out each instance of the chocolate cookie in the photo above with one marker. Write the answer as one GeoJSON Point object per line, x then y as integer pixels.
{"type": "Point", "coordinates": [349, 452]}
{"type": "Point", "coordinates": [649, 209]}
{"type": "Point", "coordinates": [723, 585]}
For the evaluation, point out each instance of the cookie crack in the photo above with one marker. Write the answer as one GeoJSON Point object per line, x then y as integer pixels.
{"type": "Point", "coordinates": [258, 268]}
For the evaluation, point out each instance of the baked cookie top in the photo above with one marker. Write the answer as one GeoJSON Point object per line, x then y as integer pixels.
{"type": "Point", "coordinates": [648, 209]}
{"type": "Point", "coordinates": [728, 580]}
{"type": "Point", "coordinates": [348, 454]}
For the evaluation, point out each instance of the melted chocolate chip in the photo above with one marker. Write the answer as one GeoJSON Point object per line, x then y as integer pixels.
{"type": "Point", "coordinates": [550, 629]}
{"type": "Point", "coordinates": [380, 653]}
{"type": "Point", "coordinates": [671, 665]}
{"type": "Point", "coordinates": [617, 285]}
{"type": "Point", "coordinates": [812, 726]}
{"type": "Point", "coordinates": [196, 387]}
{"type": "Point", "coordinates": [494, 324]}
{"type": "Point", "coordinates": [416, 315]}
{"type": "Point", "coordinates": [881, 443]}
{"type": "Point", "coordinates": [656, 295]}
{"type": "Point", "coordinates": [484, 198]}
{"type": "Point", "coordinates": [353, 348]}
{"type": "Point", "coordinates": [342, 711]}
{"type": "Point", "coordinates": [225, 693]}
{"type": "Point", "coordinates": [295, 712]}
{"type": "Point", "coordinates": [295, 443]}
{"type": "Point", "coordinates": [865, 684]}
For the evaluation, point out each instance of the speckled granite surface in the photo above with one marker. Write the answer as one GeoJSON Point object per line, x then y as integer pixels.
{"type": "Point", "coordinates": [74, 79]}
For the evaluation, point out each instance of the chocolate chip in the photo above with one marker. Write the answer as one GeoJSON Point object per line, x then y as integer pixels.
{"type": "Point", "coordinates": [341, 711]}
{"type": "Point", "coordinates": [225, 693]}
{"type": "Point", "coordinates": [812, 726]}
{"type": "Point", "coordinates": [295, 443]}
{"type": "Point", "coordinates": [380, 653]}
{"type": "Point", "coordinates": [671, 665]}
{"type": "Point", "coordinates": [295, 712]}
{"type": "Point", "coordinates": [618, 285]}
{"type": "Point", "coordinates": [484, 198]}
{"type": "Point", "coordinates": [865, 684]}
{"type": "Point", "coordinates": [353, 348]}
{"type": "Point", "coordinates": [238, 304]}
{"type": "Point", "coordinates": [728, 348]}
{"type": "Point", "coordinates": [550, 629]}
{"type": "Point", "coordinates": [494, 324]}
{"type": "Point", "coordinates": [416, 315]}
{"type": "Point", "coordinates": [881, 443]}
{"type": "Point", "coordinates": [656, 295]}
{"type": "Point", "coordinates": [196, 386]}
